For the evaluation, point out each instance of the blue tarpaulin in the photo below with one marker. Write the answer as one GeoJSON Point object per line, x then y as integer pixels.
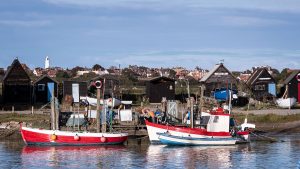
{"type": "Point", "coordinates": [223, 94]}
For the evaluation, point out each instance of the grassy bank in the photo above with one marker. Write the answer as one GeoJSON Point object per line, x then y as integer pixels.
{"type": "Point", "coordinates": [267, 118]}
{"type": "Point", "coordinates": [37, 120]}
{"type": "Point", "coordinates": [272, 122]}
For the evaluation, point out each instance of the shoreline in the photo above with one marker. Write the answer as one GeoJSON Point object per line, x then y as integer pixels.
{"type": "Point", "coordinates": [285, 125]}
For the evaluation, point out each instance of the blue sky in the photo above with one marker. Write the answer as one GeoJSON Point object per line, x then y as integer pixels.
{"type": "Point", "coordinates": [153, 33]}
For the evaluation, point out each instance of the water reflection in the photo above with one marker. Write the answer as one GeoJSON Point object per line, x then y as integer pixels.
{"type": "Point", "coordinates": [69, 156]}
{"type": "Point", "coordinates": [191, 157]}
{"type": "Point", "coordinates": [255, 155]}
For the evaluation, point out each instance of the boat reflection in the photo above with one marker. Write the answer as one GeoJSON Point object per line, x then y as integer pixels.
{"type": "Point", "coordinates": [192, 157]}
{"type": "Point", "coordinates": [67, 156]}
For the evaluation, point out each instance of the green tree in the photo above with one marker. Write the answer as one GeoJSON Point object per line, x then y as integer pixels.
{"type": "Point", "coordinates": [98, 67]}
{"type": "Point", "coordinates": [62, 75]}
{"type": "Point", "coordinates": [283, 75]}
{"type": "Point", "coordinates": [87, 76]}
{"type": "Point", "coordinates": [75, 70]}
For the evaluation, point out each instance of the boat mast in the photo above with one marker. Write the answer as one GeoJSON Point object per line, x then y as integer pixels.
{"type": "Point", "coordinates": [230, 98]}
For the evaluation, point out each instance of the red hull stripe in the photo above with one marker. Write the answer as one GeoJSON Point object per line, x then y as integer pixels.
{"type": "Point", "coordinates": [188, 130]}
{"type": "Point", "coordinates": [219, 114]}
{"type": "Point", "coordinates": [31, 137]}
{"type": "Point", "coordinates": [242, 132]}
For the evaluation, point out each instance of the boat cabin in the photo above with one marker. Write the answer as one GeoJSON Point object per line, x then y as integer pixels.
{"type": "Point", "coordinates": [125, 111]}
{"type": "Point", "coordinates": [215, 121]}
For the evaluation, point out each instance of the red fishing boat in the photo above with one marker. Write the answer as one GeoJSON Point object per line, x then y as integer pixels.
{"type": "Point", "coordinates": [34, 136]}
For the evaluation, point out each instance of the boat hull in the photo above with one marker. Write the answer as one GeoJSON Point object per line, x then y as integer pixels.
{"type": "Point", "coordinates": [286, 103]}
{"type": "Point", "coordinates": [32, 136]}
{"type": "Point", "coordinates": [153, 129]}
{"type": "Point", "coordinates": [169, 139]}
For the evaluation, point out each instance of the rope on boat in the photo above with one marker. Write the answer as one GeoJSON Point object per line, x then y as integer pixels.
{"type": "Point", "coordinates": [265, 138]}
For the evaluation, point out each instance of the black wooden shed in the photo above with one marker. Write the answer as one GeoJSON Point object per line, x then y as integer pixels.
{"type": "Point", "coordinates": [292, 83]}
{"type": "Point", "coordinates": [43, 88]}
{"type": "Point", "coordinates": [262, 85]}
{"type": "Point", "coordinates": [110, 83]}
{"type": "Point", "coordinates": [160, 87]}
{"type": "Point", "coordinates": [67, 88]}
{"type": "Point", "coordinates": [16, 85]}
{"type": "Point", "coordinates": [217, 78]}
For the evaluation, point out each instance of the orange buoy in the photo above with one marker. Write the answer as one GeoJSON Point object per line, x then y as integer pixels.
{"type": "Point", "coordinates": [53, 137]}
{"type": "Point", "coordinates": [103, 139]}
{"type": "Point", "coordinates": [76, 137]}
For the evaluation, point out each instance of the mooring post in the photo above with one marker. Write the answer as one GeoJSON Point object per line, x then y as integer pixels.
{"type": "Point", "coordinates": [52, 114]}
{"type": "Point", "coordinates": [98, 110]}
{"type": "Point", "coordinates": [191, 112]}
{"type": "Point", "coordinates": [103, 121]}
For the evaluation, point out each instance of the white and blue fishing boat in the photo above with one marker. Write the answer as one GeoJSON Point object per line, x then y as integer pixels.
{"type": "Point", "coordinates": [168, 139]}
{"type": "Point", "coordinates": [214, 124]}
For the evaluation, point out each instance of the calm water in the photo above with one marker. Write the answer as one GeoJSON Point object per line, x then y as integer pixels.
{"type": "Point", "coordinates": [255, 155]}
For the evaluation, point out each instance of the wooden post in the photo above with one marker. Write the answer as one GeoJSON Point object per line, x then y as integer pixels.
{"type": "Point", "coordinates": [103, 124]}
{"type": "Point", "coordinates": [98, 110]}
{"type": "Point", "coordinates": [56, 114]}
{"type": "Point", "coordinates": [89, 111]}
{"type": "Point", "coordinates": [52, 113]}
{"type": "Point", "coordinates": [32, 109]}
{"type": "Point", "coordinates": [192, 112]}
{"type": "Point", "coordinates": [78, 125]}
{"type": "Point", "coordinates": [13, 109]}
{"type": "Point", "coordinates": [201, 98]}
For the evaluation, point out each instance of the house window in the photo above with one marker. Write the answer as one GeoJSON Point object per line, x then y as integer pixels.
{"type": "Point", "coordinates": [259, 87]}
{"type": "Point", "coordinates": [41, 87]}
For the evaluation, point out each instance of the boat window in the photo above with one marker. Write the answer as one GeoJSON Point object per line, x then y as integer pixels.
{"type": "Point", "coordinates": [216, 119]}
{"type": "Point", "coordinates": [204, 120]}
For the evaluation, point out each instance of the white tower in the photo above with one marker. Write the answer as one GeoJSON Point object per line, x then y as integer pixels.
{"type": "Point", "coordinates": [47, 63]}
